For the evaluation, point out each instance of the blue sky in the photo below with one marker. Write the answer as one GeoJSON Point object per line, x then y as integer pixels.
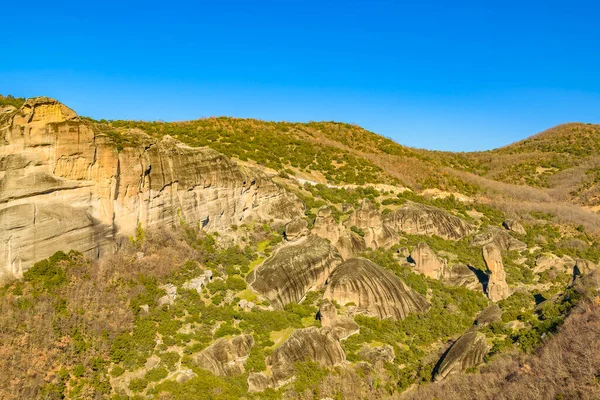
{"type": "Point", "coordinates": [447, 75]}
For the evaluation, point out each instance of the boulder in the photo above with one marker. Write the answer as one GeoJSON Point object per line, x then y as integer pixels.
{"type": "Point", "coordinates": [515, 226]}
{"type": "Point", "coordinates": [226, 357]}
{"type": "Point", "coordinates": [295, 229]}
{"type": "Point", "coordinates": [427, 262]}
{"type": "Point", "coordinates": [497, 288]}
{"type": "Point", "coordinates": [500, 237]}
{"type": "Point", "coordinates": [582, 267]}
{"type": "Point", "coordinates": [374, 290]}
{"type": "Point", "coordinates": [320, 345]}
{"type": "Point", "coordinates": [466, 276]}
{"type": "Point", "coordinates": [350, 244]}
{"type": "Point", "coordinates": [468, 351]}
{"type": "Point", "coordinates": [342, 326]}
{"type": "Point", "coordinates": [420, 219]}
{"type": "Point", "coordinates": [294, 269]}
{"type": "Point", "coordinates": [489, 314]}
{"type": "Point", "coordinates": [170, 296]}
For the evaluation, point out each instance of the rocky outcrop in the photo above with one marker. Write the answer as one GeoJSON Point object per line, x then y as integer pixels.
{"type": "Point", "coordinates": [378, 355]}
{"type": "Point", "coordinates": [342, 326]}
{"type": "Point", "coordinates": [497, 288]}
{"type": "Point", "coordinates": [515, 226]}
{"type": "Point", "coordinates": [550, 261]}
{"type": "Point", "coordinates": [420, 219]}
{"type": "Point", "coordinates": [68, 180]}
{"type": "Point", "coordinates": [318, 345]}
{"type": "Point", "coordinates": [294, 269]}
{"type": "Point", "coordinates": [326, 226]}
{"type": "Point", "coordinates": [468, 351]}
{"type": "Point", "coordinates": [489, 314]}
{"type": "Point", "coordinates": [583, 267]}
{"type": "Point", "coordinates": [500, 237]}
{"type": "Point", "coordinates": [427, 262]}
{"type": "Point", "coordinates": [368, 219]}
{"type": "Point", "coordinates": [295, 229]}
{"type": "Point", "coordinates": [226, 357]}
{"type": "Point", "coordinates": [463, 275]}
{"type": "Point", "coordinates": [374, 290]}
{"type": "Point", "coordinates": [349, 244]}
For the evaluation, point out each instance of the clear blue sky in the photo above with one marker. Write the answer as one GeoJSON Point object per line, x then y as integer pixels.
{"type": "Point", "coordinates": [449, 75]}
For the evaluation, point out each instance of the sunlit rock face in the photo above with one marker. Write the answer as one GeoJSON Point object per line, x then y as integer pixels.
{"type": "Point", "coordinates": [320, 345]}
{"type": "Point", "coordinates": [65, 181]}
{"type": "Point", "coordinates": [468, 351]}
{"type": "Point", "coordinates": [497, 288]}
{"type": "Point", "coordinates": [427, 262]}
{"type": "Point", "coordinates": [373, 290]}
{"type": "Point", "coordinates": [226, 357]}
{"type": "Point", "coordinates": [294, 269]}
{"type": "Point", "coordinates": [420, 219]}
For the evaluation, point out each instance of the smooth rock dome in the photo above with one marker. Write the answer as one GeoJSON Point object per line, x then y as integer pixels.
{"type": "Point", "coordinates": [374, 290]}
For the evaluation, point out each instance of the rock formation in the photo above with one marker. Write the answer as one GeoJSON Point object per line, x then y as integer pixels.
{"type": "Point", "coordinates": [582, 267]}
{"type": "Point", "coordinates": [341, 326]}
{"type": "Point", "coordinates": [500, 237]}
{"type": "Point", "coordinates": [422, 219]}
{"type": "Point", "coordinates": [427, 262]}
{"type": "Point", "coordinates": [294, 269]}
{"type": "Point", "coordinates": [226, 357]}
{"type": "Point", "coordinates": [318, 345]}
{"type": "Point", "coordinates": [295, 229]}
{"type": "Point", "coordinates": [550, 261]}
{"type": "Point", "coordinates": [377, 355]}
{"type": "Point", "coordinates": [367, 218]}
{"type": "Point", "coordinates": [349, 244]}
{"type": "Point", "coordinates": [326, 226]}
{"type": "Point", "coordinates": [463, 275]}
{"type": "Point", "coordinates": [497, 288]}
{"type": "Point", "coordinates": [468, 351]}
{"type": "Point", "coordinates": [515, 226]}
{"type": "Point", "coordinates": [374, 290]}
{"type": "Point", "coordinates": [66, 180]}
{"type": "Point", "coordinates": [489, 314]}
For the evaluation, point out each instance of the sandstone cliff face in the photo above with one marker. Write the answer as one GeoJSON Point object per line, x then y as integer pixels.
{"type": "Point", "coordinates": [295, 229]}
{"type": "Point", "coordinates": [226, 357]}
{"type": "Point", "coordinates": [421, 219]}
{"type": "Point", "coordinates": [468, 351]}
{"type": "Point", "coordinates": [497, 288]}
{"type": "Point", "coordinates": [326, 226]}
{"type": "Point", "coordinates": [63, 181]}
{"type": "Point", "coordinates": [294, 269]}
{"type": "Point", "coordinates": [319, 345]}
{"type": "Point", "coordinates": [427, 262]}
{"type": "Point", "coordinates": [374, 290]}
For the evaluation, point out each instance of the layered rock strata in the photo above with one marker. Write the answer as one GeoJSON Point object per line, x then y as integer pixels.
{"type": "Point", "coordinates": [294, 269]}
{"type": "Point", "coordinates": [420, 219]}
{"type": "Point", "coordinates": [320, 345]}
{"type": "Point", "coordinates": [65, 180]}
{"type": "Point", "coordinates": [374, 290]}
{"type": "Point", "coordinates": [226, 357]}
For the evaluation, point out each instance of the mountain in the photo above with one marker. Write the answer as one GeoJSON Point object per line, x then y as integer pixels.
{"type": "Point", "coordinates": [232, 258]}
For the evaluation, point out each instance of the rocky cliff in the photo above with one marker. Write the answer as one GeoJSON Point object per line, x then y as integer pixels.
{"type": "Point", "coordinates": [226, 357]}
{"type": "Point", "coordinates": [468, 351]}
{"type": "Point", "coordinates": [64, 181]}
{"type": "Point", "coordinates": [373, 290]}
{"type": "Point", "coordinates": [427, 262]}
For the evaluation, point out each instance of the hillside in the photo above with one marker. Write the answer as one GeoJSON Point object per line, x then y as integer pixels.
{"type": "Point", "coordinates": [230, 258]}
